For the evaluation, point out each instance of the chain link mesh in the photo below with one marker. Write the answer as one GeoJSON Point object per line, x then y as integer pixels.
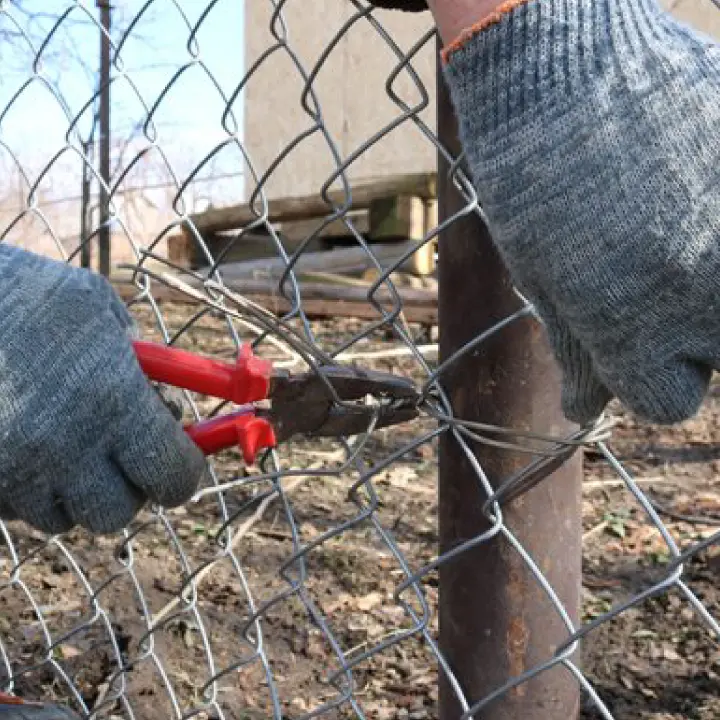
{"type": "Point", "coordinates": [305, 586]}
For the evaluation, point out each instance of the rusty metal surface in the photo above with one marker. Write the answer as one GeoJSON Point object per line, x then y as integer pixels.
{"type": "Point", "coordinates": [496, 622]}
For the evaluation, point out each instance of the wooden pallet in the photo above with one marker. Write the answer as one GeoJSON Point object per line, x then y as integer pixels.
{"type": "Point", "coordinates": [396, 209]}
{"type": "Point", "coordinates": [318, 300]}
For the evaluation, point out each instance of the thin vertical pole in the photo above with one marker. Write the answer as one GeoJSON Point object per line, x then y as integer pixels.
{"type": "Point", "coordinates": [104, 231]}
{"type": "Point", "coordinates": [495, 620]}
{"type": "Point", "coordinates": [85, 206]}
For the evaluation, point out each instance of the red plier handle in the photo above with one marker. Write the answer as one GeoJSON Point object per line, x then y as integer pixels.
{"type": "Point", "coordinates": [242, 383]}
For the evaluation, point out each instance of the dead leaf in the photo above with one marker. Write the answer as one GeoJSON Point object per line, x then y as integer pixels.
{"type": "Point", "coordinates": [401, 476]}
{"type": "Point", "coordinates": [368, 602]}
{"type": "Point", "coordinates": [309, 531]}
{"type": "Point", "coordinates": [343, 600]}
{"type": "Point", "coordinates": [68, 651]}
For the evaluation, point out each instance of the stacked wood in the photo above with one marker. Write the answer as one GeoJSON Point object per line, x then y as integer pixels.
{"type": "Point", "coordinates": [390, 210]}
{"type": "Point", "coordinates": [318, 300]}
{"type": "Point", "coordinates": [314, 206]}
{"type": "Point", "coordinates": [340, 261]}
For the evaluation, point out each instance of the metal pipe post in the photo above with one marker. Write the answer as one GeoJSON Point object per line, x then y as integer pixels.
{"type": "Point", "coordinates": [495, 620]}
{"type": "Point", "coordinates": [85, 206]}
{"type": "Point", "coordinates": [104, 231]}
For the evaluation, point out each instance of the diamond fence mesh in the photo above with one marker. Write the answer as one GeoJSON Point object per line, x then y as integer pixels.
{"type": "Point", "coordinates": [307, 585]}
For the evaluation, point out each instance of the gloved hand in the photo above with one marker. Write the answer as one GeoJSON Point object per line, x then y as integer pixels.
{"type": "Point", "coordinates": [405, 5]}
{"type": "Point", "coordinates": [84, 438]}
{"type": "Point", "coordinates": [592, 130]}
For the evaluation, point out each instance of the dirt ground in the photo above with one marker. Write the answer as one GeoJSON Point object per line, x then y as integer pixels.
{"type": "Point", "coordinates": [73, 610]}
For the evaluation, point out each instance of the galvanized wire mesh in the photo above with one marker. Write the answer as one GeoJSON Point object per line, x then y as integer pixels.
{"type": "Point", "coordinates": [305, 586]}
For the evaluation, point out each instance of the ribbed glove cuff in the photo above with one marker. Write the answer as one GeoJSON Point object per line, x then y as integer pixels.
{"type": "Point", "coordinates": [529, 56]}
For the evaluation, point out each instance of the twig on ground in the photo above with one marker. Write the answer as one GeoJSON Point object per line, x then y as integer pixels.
{"type": "Point", "coordinates": [595, 530]}
{"type": "Point", "coordinates": [390, 353]}
{"type": "Point", "coordinates": [618, 483]}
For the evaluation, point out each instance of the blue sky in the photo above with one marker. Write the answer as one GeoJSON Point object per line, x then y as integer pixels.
{"type": "Point", "coordinates": [189, 118]}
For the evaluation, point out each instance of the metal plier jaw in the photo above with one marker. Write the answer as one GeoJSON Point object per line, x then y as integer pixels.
{"type": "Point", "coordinates": [334, 401]}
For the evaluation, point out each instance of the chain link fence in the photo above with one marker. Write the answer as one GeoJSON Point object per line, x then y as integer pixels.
{"type": "Point", "coordinates": [308, 584]}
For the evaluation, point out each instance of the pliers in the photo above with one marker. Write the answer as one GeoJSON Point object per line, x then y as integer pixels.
{"type": "Point", "coordinates": [333, 401]}
{"type": "Point", "coordinates": [13, 707]}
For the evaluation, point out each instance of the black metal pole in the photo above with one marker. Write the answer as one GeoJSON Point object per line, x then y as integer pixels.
{"type": "Point", "coordinates": [85, 205]}
{"type": "Point", "coordinates": [495, 620]}
{"type": "Point", "coordinates": [104, 250]}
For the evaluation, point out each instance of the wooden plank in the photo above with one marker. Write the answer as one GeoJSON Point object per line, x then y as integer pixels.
{"type": "Point", "coordinates": [257, 255]}
{"type": "Point", "coordinates": [431, 214]}
{"type": "Point", "coordinates": [399, 217]}
{"type": "Point", "coordinates": [184, 251]}
{"type": "Point", "coordinates": [407, 218]}
{"type": "Point", "coordinates": [296, 231]}
{"type": "Point", "coordinates": [349, 293]}
{"type": "Point", "coordinates": [423, 261]}
{"type": "Point", "coordinates": [339, 260]}
{"type": "Point", "coordinates": [302, 208]}
{"type": "Point", "coordinates": [420, 264]}
{"type": "Point", "coordinates": [318, 300]}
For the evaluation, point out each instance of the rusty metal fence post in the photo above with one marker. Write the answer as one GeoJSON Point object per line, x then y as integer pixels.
{"type": "Point", "coordinates": [495, 620]}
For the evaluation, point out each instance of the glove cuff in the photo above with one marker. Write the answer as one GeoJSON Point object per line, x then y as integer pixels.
{"type": "Point", "coordinates": [531, 56]}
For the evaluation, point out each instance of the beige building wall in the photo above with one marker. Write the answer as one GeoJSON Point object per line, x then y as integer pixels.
{"type": "Point", "coordinates": [350, 89]}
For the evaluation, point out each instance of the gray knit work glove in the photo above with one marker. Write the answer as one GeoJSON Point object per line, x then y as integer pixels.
{"type": "Point", "coordinates": [84, 438]}
{"type": "Point", "coordinates": [592, 129]}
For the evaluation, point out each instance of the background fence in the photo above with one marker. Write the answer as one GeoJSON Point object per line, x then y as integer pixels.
{"type": "Point", "coordinates": [311, 585]}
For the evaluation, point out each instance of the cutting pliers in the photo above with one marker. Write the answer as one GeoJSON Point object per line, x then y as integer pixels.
{"type": "Point", "coordinates": [331, 401]}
